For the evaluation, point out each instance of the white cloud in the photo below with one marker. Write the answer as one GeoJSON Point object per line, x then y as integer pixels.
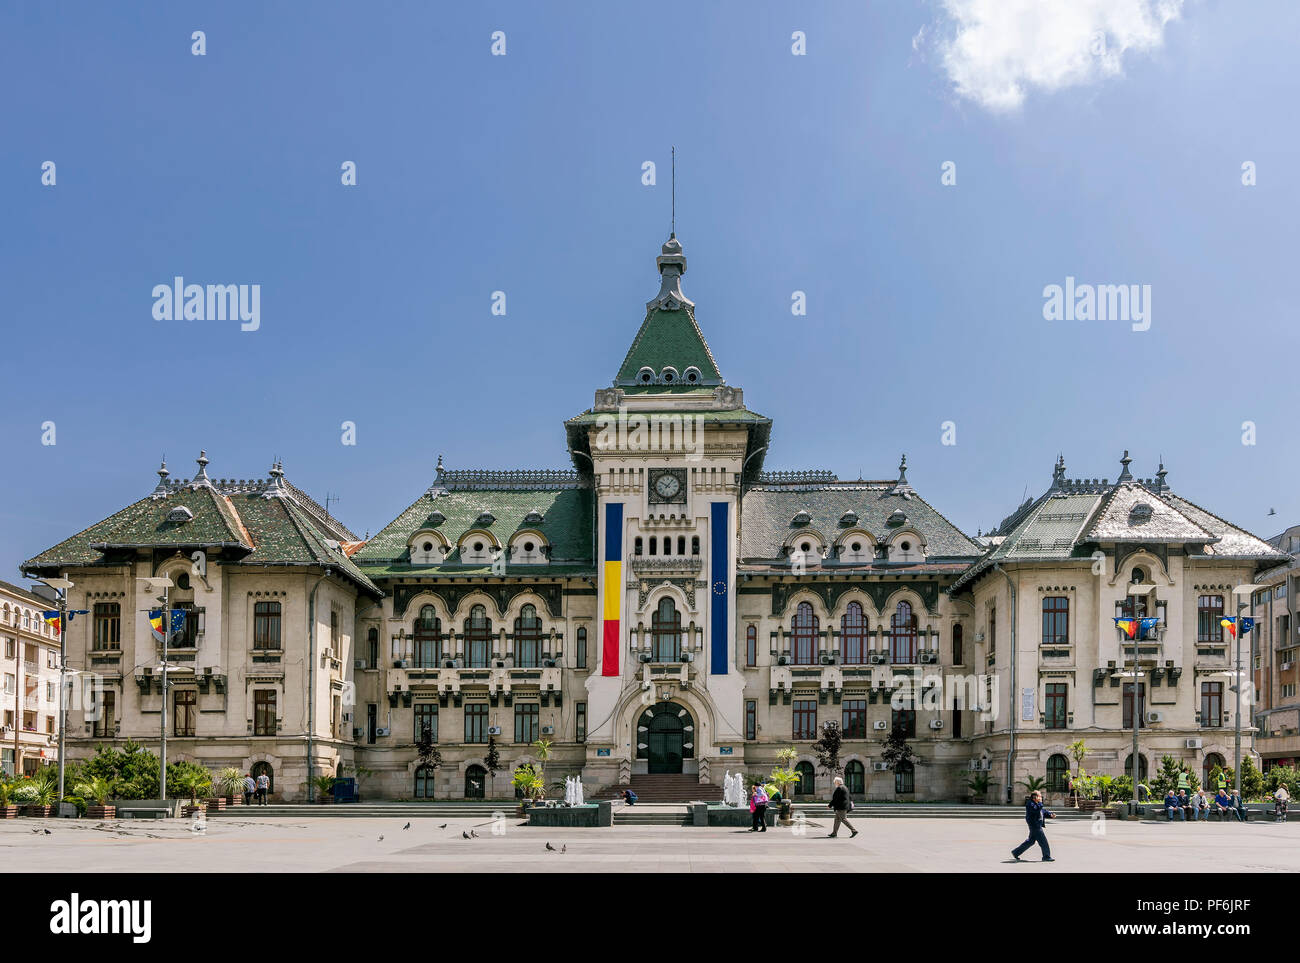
{"type": "Point", "coordinates": [995, 51]}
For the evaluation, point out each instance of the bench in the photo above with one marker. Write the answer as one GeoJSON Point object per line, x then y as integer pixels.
{"type": "Point", "coordinates": [145, 809]}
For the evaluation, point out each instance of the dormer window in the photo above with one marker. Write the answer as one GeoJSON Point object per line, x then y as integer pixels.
{"type": "Point", "coordinates": [180, 514]}
{"type": "Point", "coordinates": [533, 518]}
{"type": "Point", "coordinates": [646, 376]}
{"type": "Point", "coordinates": [436, 518]}
{"type": "Point", "coordinates": [801, 518]}
{"type": "Point", "coordinates": [1140, 514]}
{"type": "Point", "coordinates": [692, 375]}
{"type": "Point", "coordinates": [485, 519]}
{"type": "Point", "coordinates": [668, 376]}
{"type": "Point", "coordinates": [896, 519]}
{"type": "Point", "coordinates": [849, 518]}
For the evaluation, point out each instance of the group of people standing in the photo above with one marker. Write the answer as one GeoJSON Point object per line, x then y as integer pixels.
{"type": "Point", "coordinates": [256, 789]}
{"type": "Point", "coordinates": [841, 805]}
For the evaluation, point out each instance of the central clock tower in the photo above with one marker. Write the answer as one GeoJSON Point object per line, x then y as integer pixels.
{"type": "Point", "coordinates": [666, 446]}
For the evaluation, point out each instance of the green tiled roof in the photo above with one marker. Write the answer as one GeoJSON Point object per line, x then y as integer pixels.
{"type": "Point", "coordinates": [669, 338]}
{"type": "Point", "coordinates": [566, 524]}
{"type": "Point", "coordinates": [259, 529]}
{"type": "Point", "coordinates": [768, 512]}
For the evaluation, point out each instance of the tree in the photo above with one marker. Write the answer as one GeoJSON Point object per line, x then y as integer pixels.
{"type": "Point", "coordinates": [827, 748]}
{"type": "Point", "coordinates": [1034, 784]}
{"type": "Point", "coordinates": [1252, 780]}
{"type": "Point", "coordinates": [492, 761]}
{"type": "Point", "coordinates": [896, 750]}
{"type": "Point", "coordinates": [430, 755]}
{"type": "Point", "coordinates": [1078, 749]}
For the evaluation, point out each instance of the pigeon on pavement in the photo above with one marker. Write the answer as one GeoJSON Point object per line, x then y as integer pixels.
{"type": "Point", "coordinates": [550, 847]}
{"type": "Point", "coordinates": [464, 835]}
{"type": "Point", "coordinates": [407, 826]}
{"type": "Point", "coordinates": [443, 826]}
{"type": "Point", "coordinates": [564, 847]}
{"type": "Point", "coordinates": [381, 838]}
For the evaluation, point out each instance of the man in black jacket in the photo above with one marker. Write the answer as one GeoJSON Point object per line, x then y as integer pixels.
{"type": "Point", "coordinates": [1035, 815]}
{"type": "Point", "coordinates": [841, 804]}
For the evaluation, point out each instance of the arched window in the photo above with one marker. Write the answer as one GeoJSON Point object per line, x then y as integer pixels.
{"type": "Point", "coordinates": [957, 653]}
{"type": "Point", "coordinates": [666, 632]}
{"type": "Point", "coordinates": [751, 645]}
{"type": "Point", "coordinates": [1209, 618]}
{"type": "Point", "coordinates": [580, 657]}
{"type": "Point", "coordinates": [528, 638]}
{"type": "Point", "coordinates": [654, 545]}
{"type": "Point", "coordinates": [1212, 760]}
{"type": "Point", "coordinates": [428, 632]}
{"type": "Point", "coordinates": [638, 546]}
{"type": "Point", "coordinates": [1058, 773]}
{"type": "Point", "coordinates": [372, 644]}
{"type": "Point", "coordinates": [904, 777]}
{"type": "Point", "coordinates": [804, 628]}
{"type": "Point", "coordinates": [424, 782]}
{"type": "Point", "coordinates": [807, 779]}
{"type": "Point", "coordinates": [855, 778]}
{"type": "Point", "coordinates": [695, 545]}
{"type": "Point", "coordinates": [475, 783]}
{"type": "Point", "coordinates": [681, 544]}
{"type": "Point", "coordinates": [853, 635]}
{"type": "Point", "coordinates": [1142, 767]}
{"type": "Point", "coordinates": [902, 635]}
{"type": "Point", "coordinates": [478, 638]}
{"type": "Point", "coordinates": [264, 769]}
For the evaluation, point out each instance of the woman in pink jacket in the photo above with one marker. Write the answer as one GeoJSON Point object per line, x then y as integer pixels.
{"type": "Point", "coordinates": [758, 808]}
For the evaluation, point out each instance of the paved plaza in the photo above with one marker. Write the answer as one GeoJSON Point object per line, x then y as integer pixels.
{"type": "Point", "coordinates": [278, 844]}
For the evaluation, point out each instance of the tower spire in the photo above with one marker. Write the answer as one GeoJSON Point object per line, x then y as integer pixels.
{"type": "Point", "coordinates": [672, 229]}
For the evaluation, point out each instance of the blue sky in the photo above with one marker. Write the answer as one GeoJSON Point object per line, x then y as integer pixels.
{"type": "Point", "coordinates": [522, 173]}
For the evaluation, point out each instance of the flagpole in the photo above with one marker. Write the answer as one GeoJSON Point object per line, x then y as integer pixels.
{"type": "Point", "coordinates": [166, 631]}
{"type": "Point", "coordinates": [1236, 765]}
{"type": "Point", "coordinates": [63, 664]}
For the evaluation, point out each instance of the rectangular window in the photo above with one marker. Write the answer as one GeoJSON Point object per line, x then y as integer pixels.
{"type": "Point", "coordinates": [266, 625]}
{"type": "Point", "coordinates": [476, 722]}
{"type": "Point", "coordinates": [1209, 618]}
{"type": "Point", "coordinates": [335, 636]}
{"type": "Point", "coordinates": [11, 683]}
{"type": "Point", "coordinates": [907, 719]}
{"type": "Point", "coordinates": [993, 629]}
{"type": "Point", "coordinates": [106, 721]}
{"type": "Point", "coordinates": [580, 656]}
{"type": "Point", "coordinates": [1056, 620]}
{"type": "Point", "coordinates": [527, 715]}
{"type": "Point", "coordinates": [855, 719]}
{"type": "Point", "coordinates": [264, 712]}
{"type": "Point", "coordinates": [580, 711]}
{"type": "Point", "coordinates": [805, 718]}
{"type": "Point", "coordinates": [751, 646]}
{"type": "Point", "coordinates": [426, 717]}
{"type": "Point", "coordinates": [1211, 703]}
{"type": "Point", "coordinates": [1128, 705]}
{"type": "Point", "coordinates": [1055, 705]}
{"type": "Point", "coordinates": [185, 706]}
{"type": "Point", "coordinates": [751, 719]}
{"type": "Point", "coordinates": [108, 625]}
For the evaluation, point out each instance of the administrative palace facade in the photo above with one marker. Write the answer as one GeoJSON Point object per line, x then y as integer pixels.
{"type": "Point", "coordinates": [660, 610]}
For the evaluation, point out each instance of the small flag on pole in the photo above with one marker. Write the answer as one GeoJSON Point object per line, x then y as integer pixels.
{"type": "Point", "coordinates": [1230, 623]}
{"type": "Point", "coordinates": [1145, 626]}
{"type": "Point", "coordinates": [156, 622]}
{"type": "Point", "coordinates": [1128, 626]}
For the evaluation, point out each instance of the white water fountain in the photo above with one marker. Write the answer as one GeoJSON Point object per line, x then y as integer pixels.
{"type": "Point", "coordinates": [733, 789]}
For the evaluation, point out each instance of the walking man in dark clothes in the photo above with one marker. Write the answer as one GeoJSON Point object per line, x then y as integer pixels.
{"type": "Point", "coordinates": [1036, 814]}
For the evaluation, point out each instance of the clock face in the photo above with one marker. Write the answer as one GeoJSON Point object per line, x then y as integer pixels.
{"type": "Point", "coordinates": [667, 485]}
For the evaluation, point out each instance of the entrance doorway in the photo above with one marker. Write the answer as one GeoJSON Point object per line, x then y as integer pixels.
{"type": "Point", "coordinates": [665, 737]}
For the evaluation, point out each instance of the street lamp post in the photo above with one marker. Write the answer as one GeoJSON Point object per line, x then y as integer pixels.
{"type": "Point", "coordinates": [164, 584]}
{"type": "Point", "coordinates": [61, 586]}
{"type": "Point", "coordinates": [1243, 594]}
{"type": "Point", "coordinates": [1137, 588]}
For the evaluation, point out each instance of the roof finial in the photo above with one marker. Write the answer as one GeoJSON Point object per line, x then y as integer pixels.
{"type": "Point", "coordinates": [276, 486]}
{"type": "Point", "coordinates": [1058, 472]}
{"type": "Point", "coordinates": [202, 477]}
{"type": "Point", "coordinates": [901, 486]}
{"type": "Point", "coordinates": [672, 230]}
{"type": "Point", "coordinates": [1125, 474]}
{"type": "Point", "coordinates": [1161, 484]}
{"type": "Point", "coordinates": [160, 490]}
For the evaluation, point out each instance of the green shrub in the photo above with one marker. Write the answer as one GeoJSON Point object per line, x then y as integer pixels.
{"type": "Point", "coordinates": [78, 802]}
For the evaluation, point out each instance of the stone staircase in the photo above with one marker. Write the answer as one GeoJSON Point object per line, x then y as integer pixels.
{"type": "Point", "coordinates": [665, 788]}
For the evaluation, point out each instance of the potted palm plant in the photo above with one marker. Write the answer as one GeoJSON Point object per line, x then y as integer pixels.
{"type": "Point", "coordinates": [230, 786]}
{"type": "Point", "coordinates": [193, 781]}
{"type": "Point", "coordinates": [529, 786]}
{"type": "Point", "coordinates": [100, 790]}
{"type": "Point", "coordinates": [785, 778]}
{"type": "Point", "coordinates": [44, 794]}
{"type": "Point", "coordinates": [979, 787]}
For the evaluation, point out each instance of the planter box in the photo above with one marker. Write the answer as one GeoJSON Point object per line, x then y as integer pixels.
{"type": "Point", "coordinates": [101, 812]}
{"type": "Point", "coordinates": [1089, 805]}
{"type": "Point", "coordinates": [703, 814]}
{"type": "Point", "coordinates": [41, 812]}
{"type": "Point", "coordinates": [233, 800]}
{"type": "Point", "coordinates": [589, 814]}
{"type": "Point", "coordinates": [8, 812]}
{"type": "Point", "coordinates": [187, 811]}
{"type": "Point", "coordinates": [215, 805]}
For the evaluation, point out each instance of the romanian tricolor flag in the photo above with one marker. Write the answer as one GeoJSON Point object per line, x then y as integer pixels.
{"type": "Point", "coordinates": [1128, 626]}
{"type": "Point", "coordinates": [1230, 623]}
{"type": "Point", "coordinates": [612, 607]}
{"type": "Point", "coordinates": [51, 617]}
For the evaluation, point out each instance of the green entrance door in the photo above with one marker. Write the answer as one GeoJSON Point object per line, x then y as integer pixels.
{"type": "Point", "coordinates": [665, 742]}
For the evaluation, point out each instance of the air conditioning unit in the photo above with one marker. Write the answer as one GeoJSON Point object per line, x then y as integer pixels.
{"type": "Point", "coordinates": [828, 659]}
{"type": "Point", "coordinates": [499, 663]}
{"type": "Point", "coordinates": [645, 657]}
{"type": "Point", "coordinates": [356, 732]}
{"type": "Point", "coordinates": [879, 724]}
{"type": "Point", "coordinates": [1286, 665]}
{"type": "Point", "coordinates": [494, 730]}
{"type": "Point", "coordinates": [928, 656]}
{"type": "Point", "coordinates": [1155, 717]}
{"type": "Point", "coordinates": [878, 658]}
{"type": "Point", "coordinates": [401, 664]}
{"type": "Point", "coordinates": [380, 733]}
{"type": "Point", "coordinates": [936, 723]}
{"type": "Point", "coordinates": [548, 730]}
{"type": "Point", "coordinates": [880, 766]}
{"type": "Point", "coordinates": [782, 660]}
{"type": "Point", "coordinates": [449, 663]}
{"type": "Point", "coordinates": [1192, 744]}
{"type": "Point", "coordinates": [358, 663]}
{"type": "Point", "coordinates": [548, 663]}
{"type": "Point", "coordinates": [688, 657]}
